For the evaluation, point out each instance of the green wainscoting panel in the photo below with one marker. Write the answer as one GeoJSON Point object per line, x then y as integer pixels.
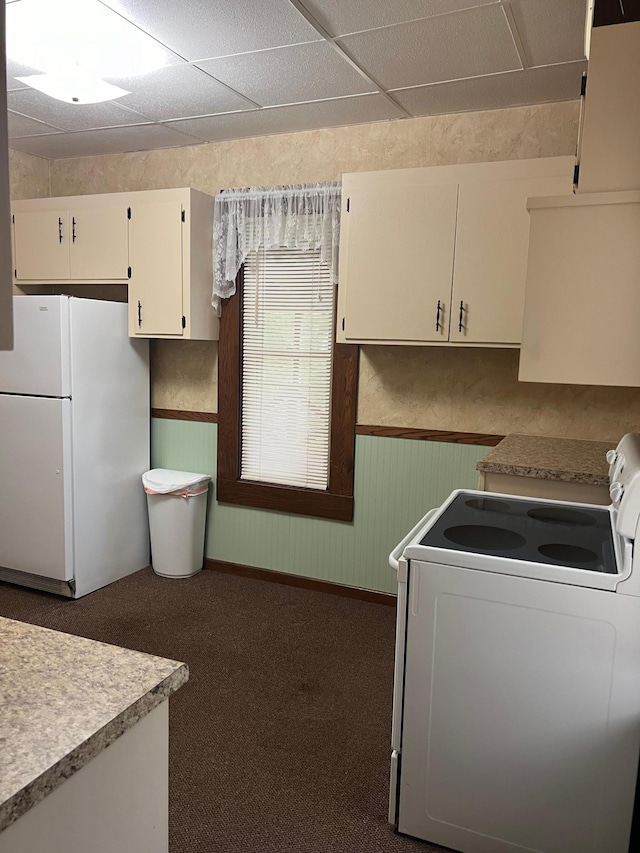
{"type": "Point", "coordinates": [397, 482]}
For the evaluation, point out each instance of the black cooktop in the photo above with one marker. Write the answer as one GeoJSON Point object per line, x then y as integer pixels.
{"type": "Point", "coordinates": [525, 529]}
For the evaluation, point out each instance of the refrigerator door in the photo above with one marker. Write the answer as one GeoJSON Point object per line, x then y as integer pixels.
{"type": "Point", "coordinates": [36, 517]}
{"type": "Point", "coordinates": [39, 363]}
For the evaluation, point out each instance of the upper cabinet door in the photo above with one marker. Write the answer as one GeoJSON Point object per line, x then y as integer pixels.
{"type": "Point", "coordinates": [155, 251]}
{"type": "Point", "coordinates": [99, 242]}
{"type": "Point", "coordinates": [41, 245]}
{"type": "Point", "coordinates": [490, 270]}
{"type": "Point", "coordinates": [396, 246]}
{"type": "Point", "coordinates": [609, 153]}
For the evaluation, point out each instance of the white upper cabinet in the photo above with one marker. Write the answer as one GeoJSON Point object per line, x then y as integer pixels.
{"type": "Point", "coordinates": [170, 251]}
{"type": "Point", "coordinates": [155, 292]}
{"type": "Point", "coordinates": [70, 240]}
{"type": "Point", "coordinates": [99, 247]}
{"type": "Point", "coordinates": [157, 241]}
{"type": "Point", "coordinates": [396, 253]}
{"type": "Point", "coordinates": [608, 149]}
{"type": "Point", "coordinates": [40, 244]}
{"type": "Point", "coordinates": [439, 255]}
{"type": "Point", "coordinates": [490, 268]}
{"type": "Point", "coordinates": [583, 291]}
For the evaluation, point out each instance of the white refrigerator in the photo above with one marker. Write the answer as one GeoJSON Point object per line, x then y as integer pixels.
{"type": "Point", "coordinates": [74, 442]}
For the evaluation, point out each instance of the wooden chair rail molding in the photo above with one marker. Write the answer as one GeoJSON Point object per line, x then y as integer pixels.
{"type": "Point", "coordinates": [477, 438]}
{"type": "Point", "coordinates": [182, 415]}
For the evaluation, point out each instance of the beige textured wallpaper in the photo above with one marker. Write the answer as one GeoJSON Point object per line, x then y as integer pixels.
{"type": "Point", "coordinates": [473, 390]}
{"type": "Point", "coordinates": [28, 175]}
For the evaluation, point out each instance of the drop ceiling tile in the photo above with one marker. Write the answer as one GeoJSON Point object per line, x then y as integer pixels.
{"type": "Point", "coordinates": [20, 125]}
{"type": "Point", "coordinates": [287, 75]}
{"type": "Point", "coordinates": [111, 141]}
{"type": "Point", "coordinates": [340, 18]}
{"type": "Point", "coordinates": [17, 69]}
{"type": "Point", "coordinates": [448, 47]}
{"type": "Point", "coordinates": [34, 104]}
{"type": "Point", "coordinates": [178, 91]}
{"type": "Point", "coordinates": [550, 31]}
{"type": "Point", "coordinates": [514, 88]}
{"type": "Point", "coordinates": [310, 116]}
{"type": "Point", "coordinates": [201, 29]}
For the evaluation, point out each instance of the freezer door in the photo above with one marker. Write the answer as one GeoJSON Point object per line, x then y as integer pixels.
{"type": "Point", "coordinates": [39, 361]}
{"type": "Point", "coordinates": [35, 486]}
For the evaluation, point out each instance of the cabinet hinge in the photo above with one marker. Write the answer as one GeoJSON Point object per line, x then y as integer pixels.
{"type": "Point", "coordinates": [583, 86]}
{"type": "Point", "coordinates": [128, 272]}
{"type": "Point", "coordinates": [128, 213]}
{"type": "Point", "coordinates": [183, 216]}
{"type": "Point", "coordinates": [184, 322]}
{"type": "Point", "coordinates": [576, 174]}
{"type": "Point", "coordinates": [348, 204]}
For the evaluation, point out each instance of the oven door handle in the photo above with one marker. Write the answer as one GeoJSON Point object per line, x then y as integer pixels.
{"type": "Point", "coordinates": [395, 555]}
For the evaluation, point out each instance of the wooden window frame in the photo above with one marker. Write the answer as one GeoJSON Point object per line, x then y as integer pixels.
{"type": "Point", "coordinates": [337, 501]}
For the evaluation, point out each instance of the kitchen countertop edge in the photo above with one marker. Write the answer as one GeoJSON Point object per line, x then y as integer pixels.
{"type": "Point", "coordinates": [542, 473]}
{"type": "Point", "coordinates": [549, 458]}
{"type": "Point", "coordinates": [32, 793]}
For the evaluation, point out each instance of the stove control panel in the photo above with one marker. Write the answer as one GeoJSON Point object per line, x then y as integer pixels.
{"type": "Point", "coordinates": [624, 476]}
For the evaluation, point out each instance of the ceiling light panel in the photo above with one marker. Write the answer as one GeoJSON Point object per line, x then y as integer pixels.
{"type": "Point", "coordinates": [497, 91]}
{"type": "Point", "coordinates": [340, 18]}
{"type": "Point", "coordinates": [544, 44]}
{"type": "Point", "coordinates": [14, 70]}
{"type": "Point", "coordinates": [288, 75]}
{"type": "Point", "coordinates": [74, 89]}
{"type": "Point", "coordinates": [178, 91]}
{"type": "Point", "coordinates": [71, 36]}
{"type": "Point", "coordinates": [202, 29]}
{"type": "Point", "coordinates": [464, 44]}
{"type": "Point", "coordinates": [290, 119]}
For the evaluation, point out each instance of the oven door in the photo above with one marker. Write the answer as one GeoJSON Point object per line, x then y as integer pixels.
{"type": "Point", "coordinates": [520, 713]}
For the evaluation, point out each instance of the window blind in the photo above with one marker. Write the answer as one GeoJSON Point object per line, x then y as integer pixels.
{"type": "Point", "coordinates": [287, 353]}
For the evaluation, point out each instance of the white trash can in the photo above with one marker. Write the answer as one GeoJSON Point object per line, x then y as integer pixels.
{"type": "Point", "coordinates": [177, 503]}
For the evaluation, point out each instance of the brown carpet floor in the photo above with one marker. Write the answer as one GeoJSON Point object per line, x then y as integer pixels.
{"type": "Point", "coordinates": [280, 740]}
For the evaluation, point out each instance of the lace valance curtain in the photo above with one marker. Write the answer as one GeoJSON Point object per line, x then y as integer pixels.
{"type": "Point", "coordinates": [303, 216]}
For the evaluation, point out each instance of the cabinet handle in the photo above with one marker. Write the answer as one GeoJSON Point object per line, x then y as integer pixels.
{"type": "Point", "coordinates": [460, 325]}
{"type": "Point", "coordinates": [59, 230]}
{"type": "Point", "coordinates": [438, 323]}
{"type": "Point", "coordinates": [73, 229]}
{"type": "Point", "coordinates": [139, 313]}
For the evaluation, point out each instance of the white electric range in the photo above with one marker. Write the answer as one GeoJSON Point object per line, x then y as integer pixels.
{"type": "Point", "coordinates": [516, 710]}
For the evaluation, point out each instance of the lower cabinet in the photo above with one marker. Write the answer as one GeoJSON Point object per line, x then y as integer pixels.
{"type": "Point", "coordinates": [533, 487]}
{"type": "Point", "coordinates": [439, 255]}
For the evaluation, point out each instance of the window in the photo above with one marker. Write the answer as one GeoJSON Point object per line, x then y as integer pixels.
{"type": "Point", "coordinates": [287, 391]}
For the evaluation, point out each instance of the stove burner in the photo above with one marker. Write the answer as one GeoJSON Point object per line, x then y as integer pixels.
{"type": "Point", "coordinates": [484, 538]}
{"type": "Point", "coordinates": [560, 515]}
{"type": "Point", "coordinates": [488, 504]}
{"type": "Point", "coordinates": [563, 553]}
